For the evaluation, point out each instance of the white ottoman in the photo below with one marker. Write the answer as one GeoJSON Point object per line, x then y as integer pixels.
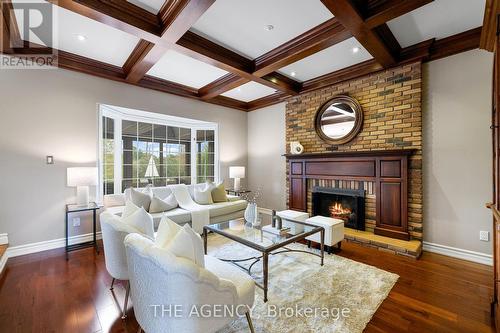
{"type": "Point", "coordinates": [294, 216]}
{"type": "Point", "coordinates": [334, 231]}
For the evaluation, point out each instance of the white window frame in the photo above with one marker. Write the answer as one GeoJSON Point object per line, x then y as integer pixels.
{"type": "Point", "coordinates": [118, 114]}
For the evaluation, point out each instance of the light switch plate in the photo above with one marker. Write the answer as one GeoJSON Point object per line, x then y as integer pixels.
{"type": "Point", "coordinates": [76, 222]}
{"type": "Point", "coordinates": [484, 236]}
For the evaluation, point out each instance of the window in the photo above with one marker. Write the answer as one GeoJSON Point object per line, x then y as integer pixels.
{"type": "Point", "coordinates": [139, 148]}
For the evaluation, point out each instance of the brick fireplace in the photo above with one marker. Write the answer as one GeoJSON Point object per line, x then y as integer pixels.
{"type": "Point", "coordinates": [391, 103]}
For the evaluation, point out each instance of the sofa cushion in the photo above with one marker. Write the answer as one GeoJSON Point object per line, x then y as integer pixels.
{"type": "Point", "coordinates": [140, 199]}
{"type": "Point", "coordinates": [142, 221]}
{"type": "Point", "coordinates": [203, 196]}
{"type": "Point", "coordinates": [167, 229]}
{"type": "Point", "coordinates": [219, 193]}
{"type": "Point", "coordinates": [187, 244]}
{"type": "Point", "coordinates": [129, 209]}
{"type": "Point", "coordinates": [159, 205]}
{"type": "Point", "coordinates": [224, 208]}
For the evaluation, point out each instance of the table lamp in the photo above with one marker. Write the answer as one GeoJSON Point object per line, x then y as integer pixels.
{"type": "Point", "coordinates": [82, 178]}
{"type": "Point", "coordinates": [237, 172]}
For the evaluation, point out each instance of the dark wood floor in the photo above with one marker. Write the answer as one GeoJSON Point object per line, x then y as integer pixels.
{"type": "Point", "coordinates": [45, 293]}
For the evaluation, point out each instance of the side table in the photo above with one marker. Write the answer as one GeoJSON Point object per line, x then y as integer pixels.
{"type": "Point", "coordinates": [73, 208]}
{"type": "Point", "coordinates": [237, 192]}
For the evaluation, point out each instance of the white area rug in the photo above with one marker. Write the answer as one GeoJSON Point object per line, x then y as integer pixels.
{"type": "Point", "coordinates": [297, 282]}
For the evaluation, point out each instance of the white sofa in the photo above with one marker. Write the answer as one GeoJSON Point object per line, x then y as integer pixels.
{"type": "Point", "coordinates": [219, 212]}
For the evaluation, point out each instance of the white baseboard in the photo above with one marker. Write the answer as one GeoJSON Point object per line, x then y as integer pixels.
{"type": "Point", "coordinates": [481, 258]}
{"type": "Point", "coordinates": [48, 245]}
{"type": "Point", "coordinates": [4, 239]}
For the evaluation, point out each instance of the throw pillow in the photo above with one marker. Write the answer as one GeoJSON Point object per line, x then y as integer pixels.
{"type": "Point", "coordinates": [129, 209]}
{"type": "Point", "coordinates": [142, 221]}
{"type": "Point", "coordinates": [203, 196]}
{"type": "Point", "coordinates": [219, 193]}
{"type": "Point", "coordinates": [159, 206]}
{"type": "Point", "coordinates": [167, 229]}
{"type": "Point", "coordinates": [187, 244]}
{"type": "Point", "coordinates": [140, 199]}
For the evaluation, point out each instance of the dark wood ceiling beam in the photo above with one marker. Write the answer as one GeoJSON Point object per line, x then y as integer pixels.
{"type": "Point", "coordinates": [275, 98]}
{"type": "Point", "coordinates": [10, 32]}
{"type": "Point", "coordinates": [392, 9]}
{"type": "Point", "coordinates": [221, 85]}
{"type": "Point", "coordinates": [121, 15]}
{"type": "Point", "coordinates": [209, 52]}
{"type": "Point", "coordinates": [490, 25]}
{"type": "Point", "coordinates": [177, 17]}
{"type": "Point", "coordinates": [465, 41]}
{"type": "Point", "coordinates": [319, 38]}
{"type": "Point", "coordinates": [349, 16]}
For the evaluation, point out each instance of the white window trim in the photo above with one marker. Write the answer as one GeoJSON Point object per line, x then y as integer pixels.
{"type": "Point", "coordinates": [119, 114]}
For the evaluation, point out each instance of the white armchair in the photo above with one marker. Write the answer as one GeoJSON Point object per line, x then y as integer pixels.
{"type": "Point", "coordinates": [160, 281]}
{"type": "Point", "coordinates": [113, 236]}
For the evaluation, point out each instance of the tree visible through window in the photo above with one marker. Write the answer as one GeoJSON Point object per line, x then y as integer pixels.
{"type": "Point", "coordinates": [154, 153]}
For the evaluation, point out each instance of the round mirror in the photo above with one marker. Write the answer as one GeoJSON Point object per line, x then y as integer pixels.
{"type": "Point", "coordinates": [339, 120]}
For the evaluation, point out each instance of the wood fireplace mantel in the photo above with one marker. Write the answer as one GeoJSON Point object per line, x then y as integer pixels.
{"type": "Point", "coordinates": [388, 169]}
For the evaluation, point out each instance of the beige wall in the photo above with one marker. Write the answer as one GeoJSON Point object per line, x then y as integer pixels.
{"type": "Point", "coordinates": [54, 112]}
{"type": "Point", "coordinates": [457, 150]}
{"type": "Point", "coordinates": [266, 144]}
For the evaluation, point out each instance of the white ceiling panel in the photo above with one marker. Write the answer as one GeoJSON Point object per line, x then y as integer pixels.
{"type": "Point", "coordinates": [335, 57]}
{"type": "Point", "coordinates": [82, 36]}
{"type": "Point", "coordinates": [249, 91]}
{"type": "Point", "coordinates": [185, 70]}
{"type": "Point", "coordinates": [152, 6]}
{"type": "Point", "coordinates": [240, 25]}
{"type": "Point", "coordinates": [438, 19]}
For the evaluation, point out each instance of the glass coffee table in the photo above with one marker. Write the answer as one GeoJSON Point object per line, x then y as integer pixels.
{"type": "Point", "coordinates": [264, 240]}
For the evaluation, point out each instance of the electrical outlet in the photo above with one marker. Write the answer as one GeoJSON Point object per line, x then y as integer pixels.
{"type": "Point", "coordinates": [76, 222]}
{"type": "Point", "coordinates": [484, 236]}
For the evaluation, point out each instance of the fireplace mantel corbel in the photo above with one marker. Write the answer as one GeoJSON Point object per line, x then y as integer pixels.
{"type": "Point", "coordinates": [388, 169]}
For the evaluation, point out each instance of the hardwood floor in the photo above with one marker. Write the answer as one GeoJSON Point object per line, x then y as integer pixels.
{"type": "Point", "coordinates": [45, 293]}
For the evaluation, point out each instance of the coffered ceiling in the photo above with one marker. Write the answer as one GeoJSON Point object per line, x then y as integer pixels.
{"type": "Point", "coordinates": [342, 55]}
{"type": "Point", "coordinates": [248, 54]}
{"type": "Point", "coordinates": [252, 28]}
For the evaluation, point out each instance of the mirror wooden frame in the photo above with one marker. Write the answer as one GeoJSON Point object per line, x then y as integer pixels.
{"type": "Point", "coordinates": [358, 122]}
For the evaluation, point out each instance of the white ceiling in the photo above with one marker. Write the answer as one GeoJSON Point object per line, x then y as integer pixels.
{"type": "Point", "coordinates": [240, 25]}
{"type": "Point", "coordinates": [185, 70]}
{"type": "Point", "coordinates": [438, 19]}
{"type": "Point", "coordinates": [249, 91]}
{"type": "Point", "coordinates": [335, 57]}
{"type": "Point", "coordinates": [152, 6]}
{"type": "Point", "coordinates": [102, 42]}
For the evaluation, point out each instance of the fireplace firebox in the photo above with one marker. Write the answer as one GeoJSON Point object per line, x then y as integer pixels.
{"type": "Point", "coordinates": [345, 204]}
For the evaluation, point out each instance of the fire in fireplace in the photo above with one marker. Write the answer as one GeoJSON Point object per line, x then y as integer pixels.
{"type": "Point", "coordinates": [345, 204]}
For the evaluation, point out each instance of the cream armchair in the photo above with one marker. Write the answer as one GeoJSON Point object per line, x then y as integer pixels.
{"type": "Point", "coordinates": [113, 236]}
{"type": "Point", "coordinates": [164, 289]}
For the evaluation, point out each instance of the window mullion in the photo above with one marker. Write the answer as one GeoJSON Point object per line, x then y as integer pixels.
{"type": "Point", "coordinates": [118, 154]}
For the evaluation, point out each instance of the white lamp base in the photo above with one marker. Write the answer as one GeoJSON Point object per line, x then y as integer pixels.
{"type": "Point", "coordinates": [82, 195]}
{"type": "Point", "coordinates": [237, 184]}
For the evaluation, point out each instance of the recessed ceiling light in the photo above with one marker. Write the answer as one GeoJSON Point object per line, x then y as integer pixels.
{"type": "Point", "coordinates": [238, 90]}
{"type": "Point", "coordinates": [269, 27]}
{"type": "Point", "coordinates": [81, 38]}
{"type": "Point", "coordinates": [355, 49]}
{"type": "Point", "coordinates": [293, 74]}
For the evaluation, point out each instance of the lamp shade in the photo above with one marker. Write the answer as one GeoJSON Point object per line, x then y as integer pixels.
{"type": "Point", "coordinates": [237, 172]}
{"type": "Point", "coordinates": [82, 176]}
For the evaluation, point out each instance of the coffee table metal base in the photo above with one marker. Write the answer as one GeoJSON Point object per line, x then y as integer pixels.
{"type": "Point", "coordinates": [264, 257]}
